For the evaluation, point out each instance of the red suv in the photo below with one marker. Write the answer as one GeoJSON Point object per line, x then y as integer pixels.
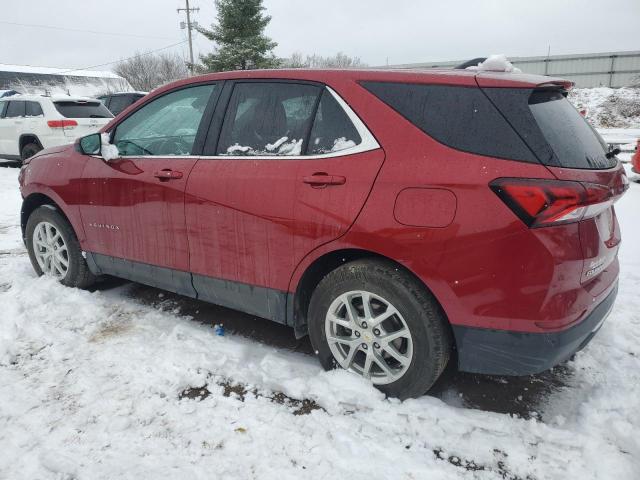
{"type": "Point", "coordinates": [399, 218]}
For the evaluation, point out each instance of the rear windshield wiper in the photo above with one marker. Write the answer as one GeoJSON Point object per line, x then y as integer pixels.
{"type": "Point", "coordinates": [612, 153]}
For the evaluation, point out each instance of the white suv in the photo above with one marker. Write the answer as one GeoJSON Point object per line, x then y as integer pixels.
{"type": "Point", "coordinates": [29, 123]}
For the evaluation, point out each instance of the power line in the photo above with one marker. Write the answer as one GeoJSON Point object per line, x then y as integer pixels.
{"type": "Point", "coordinates": [51, 27]}
{"type": "Point", "coordinates": [124, 59]}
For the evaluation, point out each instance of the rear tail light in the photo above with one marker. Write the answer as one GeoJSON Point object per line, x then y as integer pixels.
{"type": "Point", "coordinates": [540, 203]}
{"type": "Point", "coordinates": [62, 123]}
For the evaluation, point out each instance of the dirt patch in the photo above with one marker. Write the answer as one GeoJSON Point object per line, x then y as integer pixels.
{"type": "Point", "coordinates": [500, 466]}
{"type": "Point", "coordinates": [194, 393]}
{"type": "Point", "coordinates": [240, 391]}
{"type": "Point", "coordinates": [109, 330]}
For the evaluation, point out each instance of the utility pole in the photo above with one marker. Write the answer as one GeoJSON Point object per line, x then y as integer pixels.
{"type": "Point", "coordinates": [189, 27]}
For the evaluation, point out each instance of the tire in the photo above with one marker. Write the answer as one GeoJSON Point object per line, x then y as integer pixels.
{"type": "Point", "coordinates": [29, 150]}
{"type": "Point", "coordinates": [65, 244]}
{"type": "Point", "coordinates": [424, 351]}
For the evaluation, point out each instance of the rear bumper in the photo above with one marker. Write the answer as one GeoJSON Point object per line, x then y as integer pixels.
{"type": "Point", "coordinates": [502, 352]}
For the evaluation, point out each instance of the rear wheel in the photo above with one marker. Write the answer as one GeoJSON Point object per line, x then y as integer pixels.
{"type": "Point", "coordinates": [54, 249]}
{"type": "Point", "coordinates": [29, 150]}
{"type": "Point", "coordinates": [378, 321]}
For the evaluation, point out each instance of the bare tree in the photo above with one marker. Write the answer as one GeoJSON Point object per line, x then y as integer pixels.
{"type": "Point", "coordinates": [146, 72]}
{"type": "Point", "coordinates": [339, 60]}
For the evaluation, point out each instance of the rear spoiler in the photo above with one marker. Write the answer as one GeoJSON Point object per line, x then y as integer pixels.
{"type": "Point", "coordinates": [488, 79]}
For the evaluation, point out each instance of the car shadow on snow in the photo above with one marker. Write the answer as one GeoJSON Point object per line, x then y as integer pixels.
{"type": "Point", "coordinates": [9, 163]}
{"type": "Point", "coordinates": [521, 396]}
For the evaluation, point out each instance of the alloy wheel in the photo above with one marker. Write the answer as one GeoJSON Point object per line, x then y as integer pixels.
{"type": "Point", "coordinates": [50, 250]}
{"type": "Point", "coordinates": [369, 336]}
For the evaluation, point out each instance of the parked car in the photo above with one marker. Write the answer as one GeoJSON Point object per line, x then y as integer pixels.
{"type": "Point", "coordinates": [635, 159]}
{"type": "Point", "coordinates": [117, 102]}
{"type": "Point", "coordinates": [396, 217]}
{"type": "Point", "coordinates": [29, 123]}
{"type": "Point", "coordinates": [8, 93]}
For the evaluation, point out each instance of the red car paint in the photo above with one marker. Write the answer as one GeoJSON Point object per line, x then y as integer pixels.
{"type": "Point", "coordinates": [635, 159]}
{"type": "Point", "coordinates": [422, 204]}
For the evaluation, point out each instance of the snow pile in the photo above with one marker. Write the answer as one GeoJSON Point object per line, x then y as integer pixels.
{"type": "Point", "coordinates": [108, 150]}
{"type": "Point", "coordinates": [608, 107]}
{"type": "Point", "coordinates": [495, 63]}
{"type": "Point", "coordinates": [282, 146]}
{"type": "Point", "coordinates": [342, 144]}
{"type": "Point", "coordinates": [90, 388]}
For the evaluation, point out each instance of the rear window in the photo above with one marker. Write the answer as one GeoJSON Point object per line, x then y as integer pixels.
{"type": "Point", "coordinates": [120, 102]}
{"type": "Point", "coordinates": [94, 109]}
{"type": "Point", "coordinates": [573, 141]}
{"type": "Point", "coordinates": [459, 117]}
{"type": "Point", "coordinates": [33, 109]}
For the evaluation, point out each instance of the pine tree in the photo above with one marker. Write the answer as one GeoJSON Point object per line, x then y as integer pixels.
{"type": "Point", "coordinates": [239, 37]}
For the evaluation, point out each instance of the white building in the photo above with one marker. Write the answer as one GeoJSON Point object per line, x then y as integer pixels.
{"type": "Point", "coordinates": [609, 69]}
{"type": "Point", "coordinates": [51, 81]}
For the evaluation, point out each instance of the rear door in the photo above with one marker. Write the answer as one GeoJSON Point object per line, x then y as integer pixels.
{"type": "Point", "coordinates": [89, 116]}
{"type": "Point", "coordinates": [134, 208]}
{"type": "Point", "coordinates": [286, 168]}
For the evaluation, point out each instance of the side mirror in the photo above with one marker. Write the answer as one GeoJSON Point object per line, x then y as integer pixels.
{"type": "Point", "coordinates": [98, 144]}
{"type": "Point", "coordinates": [91, 144]}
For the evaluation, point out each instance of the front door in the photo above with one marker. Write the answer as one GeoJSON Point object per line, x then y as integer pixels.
{"type": "Point", "coordinates": [134, 213]}
{"type": "Point", "coordinates": [290, 172]}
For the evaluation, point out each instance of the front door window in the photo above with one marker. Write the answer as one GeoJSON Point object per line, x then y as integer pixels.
{"type": "Point", "coordinates": [166, 126]}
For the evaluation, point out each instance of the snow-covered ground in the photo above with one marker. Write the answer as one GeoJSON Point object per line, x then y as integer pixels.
{"type": "Point", "coordinates": [609, 107]}
{"type": "Point", "coordinates": [91, 387]}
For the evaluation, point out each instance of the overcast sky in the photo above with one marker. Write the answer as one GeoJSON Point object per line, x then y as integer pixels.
{"type": "Point", "coordinates": [399, 31]}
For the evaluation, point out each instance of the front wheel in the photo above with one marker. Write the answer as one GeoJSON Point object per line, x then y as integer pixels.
{"type": "Point", "coordinates": [54, 249]}
{"type": "Point", "coordinates": [378, 321]}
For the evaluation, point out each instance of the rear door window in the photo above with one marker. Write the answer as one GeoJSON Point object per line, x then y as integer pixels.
{"type": "Point", "coordinates": [459, 117]}
{"type": "Point", "coordinates": [33, 109]}
{"type": "Point", "coordinates": [573, 141]}
{"type": "Point", "coordinates": [3, 107]}
{"type": "Point", "coordinates": [82, 109]}
{"type": "Point", "coordinates": [268, 118]}
{"type": "Point", "coordinates": [332, 129]}
{"type": "Point", "coordinates": [15, 109]}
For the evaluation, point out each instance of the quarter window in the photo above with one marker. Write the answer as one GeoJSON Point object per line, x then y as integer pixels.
{"type": "Point", "coordinates": [3, 106]}
{"type": "Point", "coordinates": [332, 130]}
{"type": "Point", "coordinates": [268, 119]}
{"type": "Point", "coordinates": [167, 126]}
{"type": "Point", "coordinates": [459, 117]}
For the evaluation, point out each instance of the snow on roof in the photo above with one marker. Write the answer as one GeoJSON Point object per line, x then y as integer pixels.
{"type": "Point", "coordinates": [496, 63]}
{"type": "Point", "coordinates": [56, 71]}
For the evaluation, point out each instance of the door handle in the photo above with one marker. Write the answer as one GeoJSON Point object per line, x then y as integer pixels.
{"type": "Point", "coordinates": [321, 179]}
{"type": "Point", "coordinates": [167, 174]}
